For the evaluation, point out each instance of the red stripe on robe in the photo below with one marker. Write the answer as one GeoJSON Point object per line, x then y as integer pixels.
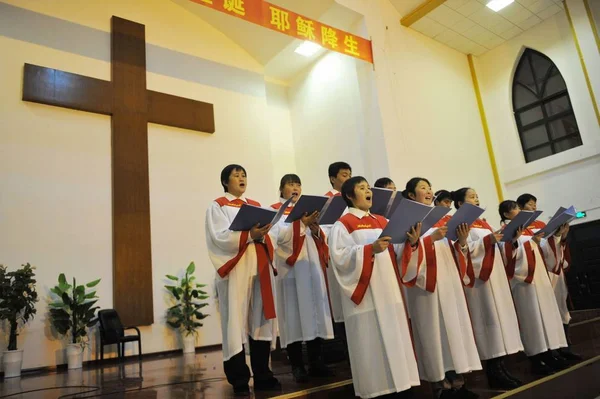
{"type": "Point", "coordinates": [430, 258]}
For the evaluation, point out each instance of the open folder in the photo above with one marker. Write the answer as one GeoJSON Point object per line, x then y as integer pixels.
{"type": "Point", "coordinates": [306, 204]}
{"type": "Point", "coordinates": [405, 217]}
{"type": "Point", "coordinates": [522, 220]}
{"type": "Point", "coordinates": [333, 210]}
{"type": "Point", "coordinates": [251, 215]}
{"type": "Point", "coordinates": [382, 200]}
{"type": "Point", "coordinates": [560, 218]}
{"type": "Point", "coordinates": [434, 216]}
{"type": "Point", "coordinates": [466, 214]}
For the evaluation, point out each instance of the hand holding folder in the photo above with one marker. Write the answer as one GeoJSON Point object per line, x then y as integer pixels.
{"type": "Point", "coordinates": [306, 205]}
{"type": "Point", "coordinates": [250, 216]}
{"type": "Point", "coordinates": [521, 221]}
{"type": "Point", "coordinates": [406, 216]}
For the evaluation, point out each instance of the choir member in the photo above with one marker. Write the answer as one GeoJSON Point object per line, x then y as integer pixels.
{"type": "Point", "coordinates": [385, 182]}
{"type": "Point", "coordinates": [379, 342]}
{"type": "Point", "coordinates": [244, 286]}
{"type": "Point", "coordinates": [303, 312]}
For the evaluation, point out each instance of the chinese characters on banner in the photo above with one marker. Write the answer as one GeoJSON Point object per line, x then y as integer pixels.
{"type": "Point", "coordinates": [284, 21]}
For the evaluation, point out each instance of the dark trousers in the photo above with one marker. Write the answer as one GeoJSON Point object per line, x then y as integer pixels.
{"type": "Point", "coordinates": [313, 348]}
{"type": "Point", "coordinates": [237, 371]}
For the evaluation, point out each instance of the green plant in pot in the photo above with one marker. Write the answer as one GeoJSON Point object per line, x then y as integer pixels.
{"type": "Point", "coordinates": [17, 307]}
{"type": "Point", "coordinates": [72, 313]}
{"type": "Point", "coordinates": [186, 315]}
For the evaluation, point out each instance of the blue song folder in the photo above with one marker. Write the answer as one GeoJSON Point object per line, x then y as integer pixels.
{"type": "Point", "coordinates": [522, 220]}
{"type": "Point", "coordinates": [306, 204]}
{"type": "Point", "coordinates": [561, 217]}
{"type": "Point", "coordinates": [468, 214]}
{"type": "Point", "coordinates": [396, 200]}
{"type": "Point", "coordinates": [249, 215]}
{"type": "Point", "coordinates": [333, 210]}
{"type": "Point", "coordinates": [433, 217]}
{"type": "Point", "coordinates": [407, 215]}
{"type": "Point", "coordinates": [381, 201]}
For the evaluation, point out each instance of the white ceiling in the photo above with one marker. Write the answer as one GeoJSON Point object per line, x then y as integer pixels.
{"type": "Point", "coordinates": [272, 49]}
{"type": "Point", "coordinates": [471, 28]}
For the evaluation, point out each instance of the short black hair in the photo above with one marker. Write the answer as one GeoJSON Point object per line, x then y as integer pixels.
{"type": "Point", "coordinates": [335, 168]}
{"type": "Point", "coordinates": [506, 206]}
{"type": "Point", "coordinates": [459, 196]}
{"type": "Point", "coordinates": [411, 185]}
{"type": "Point", "coordinates": [289, 178]}
{"type": "Point", "coordinates": [348, 188]}
{"type": "Point", "coordinates": [226, 172]}
{"type": "Point", "coordinates": [524, 199]}
{"type": "Point", "coordinates": [382, 182]}
{"type": "Point", "coordinates": [441, 195]}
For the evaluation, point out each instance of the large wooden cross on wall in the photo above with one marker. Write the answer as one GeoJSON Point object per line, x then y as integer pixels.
{"type": "Point", "coordinates": [131, 106]}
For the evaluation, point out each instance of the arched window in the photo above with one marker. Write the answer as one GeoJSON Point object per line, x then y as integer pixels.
{"type": "Point", "coordinates": [542, 108]}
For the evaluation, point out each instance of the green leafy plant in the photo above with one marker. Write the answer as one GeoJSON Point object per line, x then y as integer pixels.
{"type": "Point", "coordinates": [186, 314]}
{"type": "Point", "coordinates": [17, 299]}
{"type": "Point", "coordinates": [74, 311]}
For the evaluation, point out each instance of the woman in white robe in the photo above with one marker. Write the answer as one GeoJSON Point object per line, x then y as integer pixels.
{"type": "Point", "coordinates": [379, 341]}
{"type": "Point", "coordinates": [244, 285]}
{"type": "Point", "coordinates": [441, 325]}
{"type": "Point", "coordinates": [556, 252]}
{"type": "Point", "coordinates": [303, 311]}
{"type": "Point", "coordinates": [489, 298]}
{"type": "Point", "coordinates": [537, 311]}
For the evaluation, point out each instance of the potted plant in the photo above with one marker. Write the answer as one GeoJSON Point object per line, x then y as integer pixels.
{"type": "Point", "coordinates": [185, 315]}
{"type": "Point", "coordinates": [72, 314]}
{"type": "Point", "coordinates": [17, 306]}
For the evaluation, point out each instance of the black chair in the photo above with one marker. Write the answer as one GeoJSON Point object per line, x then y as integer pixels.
{"type": "Point", "coordinates": [113, 332]}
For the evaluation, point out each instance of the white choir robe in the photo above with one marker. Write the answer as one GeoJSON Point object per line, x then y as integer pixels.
{"type": "Point", "coordinates": [381, 352]}
{"type": "Point", "coordinates": [335, 298]}
{"type": "Point", "coordinates": [303, 312]}
{"type": "Point", "coordinates": [438, 310]}
{"type": "Point", "coordinates": [557, 257]}
{"type": "Point", "coordinates": [489, 298]}
{"type": "Point", "coordinates": [540, 322]}
{"type": "Point", "coordinates": [238, 281]}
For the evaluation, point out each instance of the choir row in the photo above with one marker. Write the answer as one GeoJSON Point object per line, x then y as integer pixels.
{"type": "Point", "coordinates": [429, 309]}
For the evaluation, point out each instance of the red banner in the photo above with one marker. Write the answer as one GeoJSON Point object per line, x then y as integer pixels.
{"type": "Point", "coordinates": [287, 22]}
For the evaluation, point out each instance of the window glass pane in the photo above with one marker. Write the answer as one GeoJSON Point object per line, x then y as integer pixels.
{"type": "Point", "coordinates": [555, 84]}
{"type": "Point", "coordinates": [536, 136]}
{"type": "Point", "coordinates": [567, 144]}
{"type": "Point", "coordinates": [541, 67]}
{"type": "Point", "coordinates": [558, 105]}
{"type": "Point", "coordinates": [523, 96]}
{"type": "Point", "coordinates": [563, 127]}
{"type": "Point", "coordinates": [538, 153]}
{"type": "Point", "coordinates": [530, 116]}
{"type": "Point", "coordinates": [524, 75]}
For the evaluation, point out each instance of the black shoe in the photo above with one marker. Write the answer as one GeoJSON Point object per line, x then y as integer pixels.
{"type": "Point", "coordinates": [567, 354]}
{"type": "Point", "coordinates": [241, 390]}
{"type": "Point", "coordinates": [269, 384]}
{"type": "Point", "coordinates": [539, 367]}
{"type": "Point", "coordinates": [320, 370]}
{"type": "Point", "coordinates": [497, 379]}
{"type": "Point", "coordinates": [300, 375]}
{"type": "Point", "coordinates": [555, 361]}
{"type": "Point", "coordinates": [509, 375]}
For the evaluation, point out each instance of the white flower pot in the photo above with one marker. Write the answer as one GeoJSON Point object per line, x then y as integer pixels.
{"type": "Point", "coordinates": [12, 361]}
{"type": "Point", "coordinates": [189, 343]}
{"type": "Point", "coordinates": [74, 356]}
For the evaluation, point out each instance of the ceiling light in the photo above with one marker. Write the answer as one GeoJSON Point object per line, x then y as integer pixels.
{"type": "Point", "coordinates": [307, 48]}
{"type": "Point", "coordinates": [497, 5]}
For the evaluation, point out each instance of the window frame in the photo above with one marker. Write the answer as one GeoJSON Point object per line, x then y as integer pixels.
{"type": "Point", "coordinates": [541, 102]}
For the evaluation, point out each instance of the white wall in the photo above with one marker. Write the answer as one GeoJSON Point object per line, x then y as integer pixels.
{"type": "Point", "coordinates": [428, 108]}
{"type": "Point", "coordinates": [327, 120]}
{"type": "Point", "coordinates": [55, 164]}
{"type": "Point", "coordinates": [551, 178]}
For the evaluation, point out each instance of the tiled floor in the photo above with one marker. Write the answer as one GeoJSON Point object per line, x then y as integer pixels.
{"type": "Point", "coordinates": [201, 376]}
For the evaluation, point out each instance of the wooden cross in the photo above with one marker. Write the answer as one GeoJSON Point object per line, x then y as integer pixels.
{"type": "Point", "coordinates": [131, 106]}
